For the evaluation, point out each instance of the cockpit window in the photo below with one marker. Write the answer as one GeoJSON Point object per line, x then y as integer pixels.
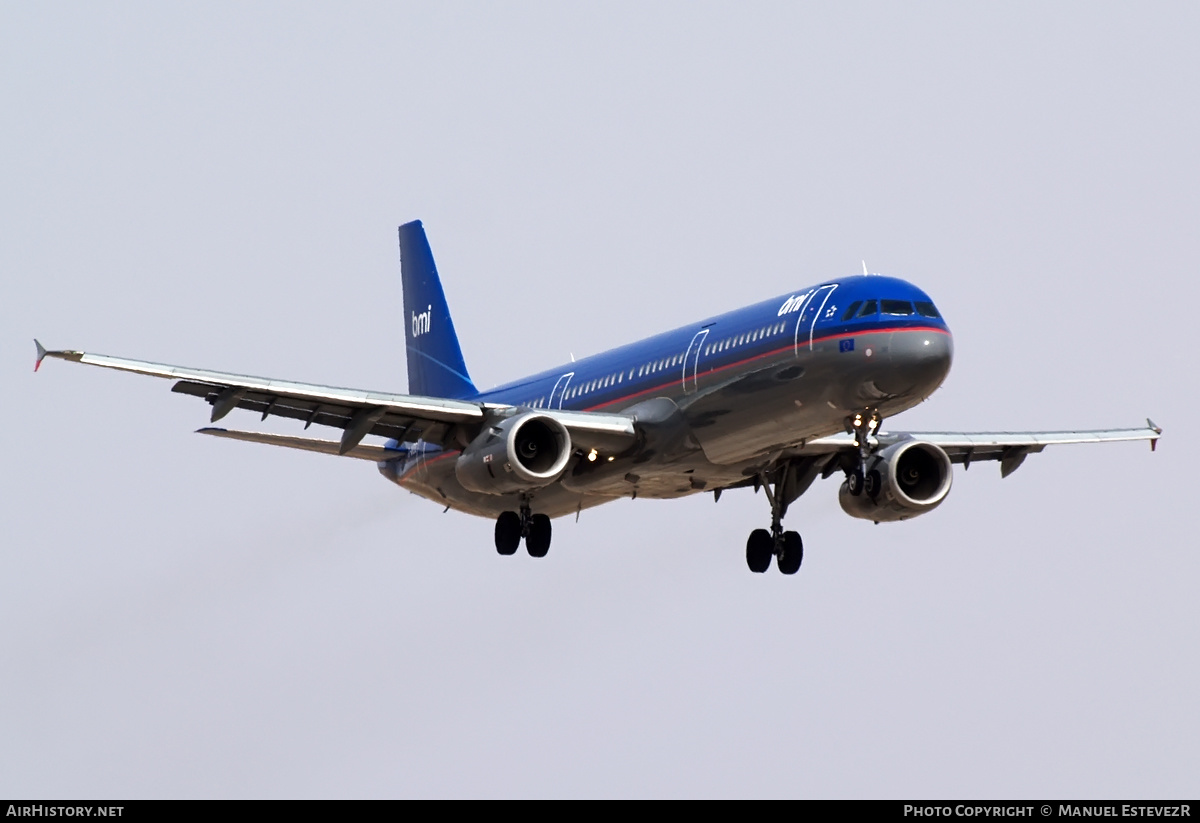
{"type": "Point", "coordinates": [901, 307]}
{"type": "Point", "coordinates": [927, 310]}
{"type": "Point", "coordinates": [868, 308]}
{"type": "Point", "coordinates": [850, 311]}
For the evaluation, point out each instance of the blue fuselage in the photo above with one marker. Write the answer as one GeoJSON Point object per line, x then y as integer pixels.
{"type": "Point", "coordinates": [738, 388]}
{"type": "Point", "coordinates": [689, 359]}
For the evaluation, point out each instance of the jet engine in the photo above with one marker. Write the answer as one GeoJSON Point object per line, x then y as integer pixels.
{"type": "Point", "coordinates": [519, 453]}
{"type": "Point", "coordinates": [903, 480]}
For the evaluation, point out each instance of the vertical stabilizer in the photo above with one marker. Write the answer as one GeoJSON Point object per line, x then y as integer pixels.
{"type": "Point", "coordinates": [435, 361]}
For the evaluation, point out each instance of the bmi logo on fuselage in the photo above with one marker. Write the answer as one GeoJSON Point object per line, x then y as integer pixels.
{"type": "Point", "coordinates": [793, 303]}
{"type": "Point", "coordinates": [421, 322]}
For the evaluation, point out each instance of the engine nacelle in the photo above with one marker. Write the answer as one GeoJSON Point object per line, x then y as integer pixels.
{"type": "Point", "coordinates": [520, 453]}
{"type": "Point", "coordinates": [912, 478]}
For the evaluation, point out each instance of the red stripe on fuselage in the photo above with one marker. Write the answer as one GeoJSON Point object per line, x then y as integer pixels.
{"type": "Point", "coordinates": [425, 463]}
{"type": "Point", "coordinates": [764, 355]}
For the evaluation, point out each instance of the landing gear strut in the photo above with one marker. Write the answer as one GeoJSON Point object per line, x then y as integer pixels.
{"type": "Point", "coordinates": [786, 547]}
{"type": "Point", "coordinates": [858, 479]}
{"type": "Point", "coordinates": [512, 527]}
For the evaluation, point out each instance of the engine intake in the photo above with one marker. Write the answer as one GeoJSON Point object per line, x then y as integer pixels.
{"type": "Point", "coordinates": [527, 451]}
{"type": "Point", "coordinates": [912, 478]}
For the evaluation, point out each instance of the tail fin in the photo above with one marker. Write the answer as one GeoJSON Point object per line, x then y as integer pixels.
{"type": "Point", "coordinates": [435, 361]}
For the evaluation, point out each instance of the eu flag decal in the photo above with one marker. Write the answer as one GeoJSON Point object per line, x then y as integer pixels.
{"type": "Point", "coordinates": [846, 345]}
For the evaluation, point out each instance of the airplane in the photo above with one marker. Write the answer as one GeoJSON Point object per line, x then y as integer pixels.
{"type": "Point", "coordinates": [770, 396]}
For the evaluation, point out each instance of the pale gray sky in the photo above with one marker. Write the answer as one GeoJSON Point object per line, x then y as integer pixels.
{"type": "Point", "coordinates": [218, 185]}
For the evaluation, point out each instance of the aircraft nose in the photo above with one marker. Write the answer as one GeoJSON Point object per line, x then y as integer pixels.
{"type": "Point", "coordinates": [922, 358]}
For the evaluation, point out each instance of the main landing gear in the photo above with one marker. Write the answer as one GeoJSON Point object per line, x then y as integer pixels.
{"type": "Point", "coordinates": [858, 479]}
{"type": "Point", "coordinates": [511, 527]}
{"type": "Point", "coordinates": [786, 547]}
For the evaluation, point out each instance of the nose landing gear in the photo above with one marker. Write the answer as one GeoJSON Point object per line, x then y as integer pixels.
{"type": "Point", "coordinates": [863, 425]}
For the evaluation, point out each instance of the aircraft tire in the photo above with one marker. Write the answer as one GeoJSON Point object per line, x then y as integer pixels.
{"type": "Point", "coordinates": [873, 483]}
{"type": "Point", "coordinates": [537, 542]}
{"type": "Point", "coordinates": [793, 553]}
{"type": "Point", "coordinates": [758, 551]}
{"type": "Point", "coordinates": [508, 533]}
{"type": "Point", "coordinates": [855, 481]}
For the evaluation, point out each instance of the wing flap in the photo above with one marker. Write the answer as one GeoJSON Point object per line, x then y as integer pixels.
{"type": "Point", "coordinates": [392, 425]}
{"type": "Point", "coordinates": [310, 444]}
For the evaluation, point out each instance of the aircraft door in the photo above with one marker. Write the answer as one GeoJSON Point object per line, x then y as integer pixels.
{"type": "Point", "coordinates": [560, 390]}
{"type": "Point", "coordinates": [814, 310]}
{"type": "Point", "coordinates": [691, 362]}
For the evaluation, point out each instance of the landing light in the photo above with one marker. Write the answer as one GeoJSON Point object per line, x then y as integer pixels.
{"type": "Point", "coordinates": [592, 456]}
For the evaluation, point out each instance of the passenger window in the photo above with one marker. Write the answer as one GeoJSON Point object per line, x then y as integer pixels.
{"type": "Point", "coordinates": [899, 307]}
{"type": "Point", "coordinates": [927, 310]}
{"type": "Point", "coordinates": [850, 311]}
{"type": "Point", "coordinates": [868, 308]}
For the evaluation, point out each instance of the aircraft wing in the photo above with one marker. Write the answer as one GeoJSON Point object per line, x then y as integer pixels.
{"type": "Point", "coordinates": [1010, 448]}
{"type": "Point", "coordinates": [405, 418]}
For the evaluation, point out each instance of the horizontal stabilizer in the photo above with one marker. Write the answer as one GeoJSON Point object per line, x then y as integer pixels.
{"type": "Point", "coordinates": [377, 454]}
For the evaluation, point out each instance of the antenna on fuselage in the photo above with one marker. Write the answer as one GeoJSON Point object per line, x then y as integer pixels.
{"type": "Point", "coordinates": [865, 272]}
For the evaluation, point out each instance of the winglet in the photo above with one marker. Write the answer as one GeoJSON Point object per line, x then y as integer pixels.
{"type": "Point", "coordinates": [1156, 430]}
{"type": "Point", "coordinates": [65, 354]}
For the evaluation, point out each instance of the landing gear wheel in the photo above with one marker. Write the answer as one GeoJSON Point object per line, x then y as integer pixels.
{"type": "Point", "coordinates": [508, 533]}
{"type": "Point", "coordinates": [873, 483]}
{"type": "Point", "coordinates": [855, 481]}
{"type": "Point", "coordinates": [759, 549]}
{"type": "Point", "coordinates": [537, 541]}
{"type": "Point", "coordinates": [791, 554]}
